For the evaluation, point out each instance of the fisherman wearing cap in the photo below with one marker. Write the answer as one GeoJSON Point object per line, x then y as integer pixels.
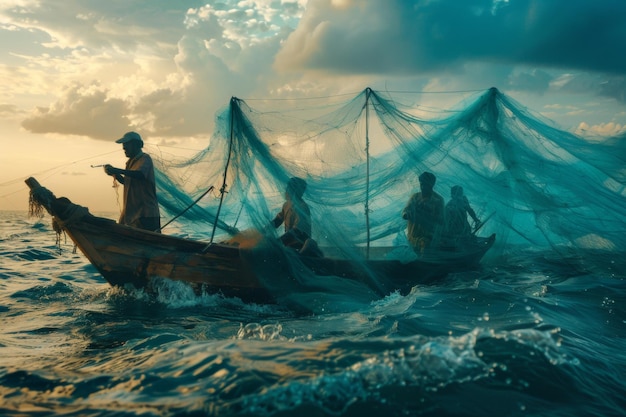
{"type": "Point", "coordinates": [424, 214]}
{"type": "Point", "coordinates": [141, 207]}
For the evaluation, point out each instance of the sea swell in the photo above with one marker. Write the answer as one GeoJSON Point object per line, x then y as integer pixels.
{"type": "Point", "coordinates": [529, 335]}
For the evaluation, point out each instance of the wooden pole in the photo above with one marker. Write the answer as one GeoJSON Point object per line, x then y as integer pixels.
{"type": "Point", "coordinates": [368, 91]}
{"type": "Point", "coordinates": [233, 101]}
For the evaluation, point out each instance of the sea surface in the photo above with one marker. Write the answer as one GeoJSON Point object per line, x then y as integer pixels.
{"type": "Point", "coordinates": [534, 334]}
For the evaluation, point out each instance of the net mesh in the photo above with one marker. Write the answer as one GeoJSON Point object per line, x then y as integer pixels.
{"type": "Point", "coordinates": [529, 182]}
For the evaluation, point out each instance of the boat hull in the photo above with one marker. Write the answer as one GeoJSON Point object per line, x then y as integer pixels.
{"type": "Point", "coordinates": [262, 272]}
{"type": "Point", "coordinates": [124, 255]}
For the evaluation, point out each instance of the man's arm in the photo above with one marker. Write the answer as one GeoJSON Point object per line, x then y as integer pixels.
{"type": "Point", "coordinates": [278, 220]}
{"type": "Point", "coordinates": [119, 173]}
{"type": "Point", "coordinates": [470, 210]}
{"type": "Point", "coordinates": [407, 212]}
{"type": "Point", "coordinates": [473, 215]}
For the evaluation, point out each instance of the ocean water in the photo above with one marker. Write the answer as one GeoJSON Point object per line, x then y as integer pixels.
{"type": "Point", "coordinates": [535, 334]}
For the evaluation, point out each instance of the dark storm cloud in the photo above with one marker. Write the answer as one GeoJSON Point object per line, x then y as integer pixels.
{"type": "Point", "coordinates": [399, 36]}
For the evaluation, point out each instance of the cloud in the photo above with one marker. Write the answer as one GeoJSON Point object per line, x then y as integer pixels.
{"type": "Point", "coordinates": [8, 110]}
{"type": "Point", "coordinates": [83, 111]}
{"type": "Point", "coordinates": [221, 50]}
{"type": "Point", "coordinates": [73, 174]}
{"type": "Point", "coordinates": [401, 37]}
{"type": "Point", "coordinates": [165, 67]}
{"type": "Point", "coordinates": [535, 80]}
{"type": "Point", "coordinates": [613, 86]}
{"type": "Point", "coordinates": [604, 130]}
{"type": "Point", "coordinates": [96, 24]}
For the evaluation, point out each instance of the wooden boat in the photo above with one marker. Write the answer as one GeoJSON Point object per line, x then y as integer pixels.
{"type": "Point", "coordinates": [128, 256]}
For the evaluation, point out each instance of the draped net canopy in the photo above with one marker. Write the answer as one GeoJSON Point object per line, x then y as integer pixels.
{"type": "Point", "coordinates": [533, 184]}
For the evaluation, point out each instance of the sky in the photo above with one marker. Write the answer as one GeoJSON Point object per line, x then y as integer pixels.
{"type": "Point", "coordinates": [77, 74]}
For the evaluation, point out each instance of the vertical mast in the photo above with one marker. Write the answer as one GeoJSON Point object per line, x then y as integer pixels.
{"type": "Point", "coordinates": [233, 101]}
{"type": "Point", "coordinates": [368, 92]}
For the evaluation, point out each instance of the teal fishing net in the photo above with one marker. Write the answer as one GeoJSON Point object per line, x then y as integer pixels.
{"type": "Point", "coordinates": [529, 182]}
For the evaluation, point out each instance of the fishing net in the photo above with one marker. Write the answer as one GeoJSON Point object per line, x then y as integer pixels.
{"type": "Point", "coordinates": [529, 182]}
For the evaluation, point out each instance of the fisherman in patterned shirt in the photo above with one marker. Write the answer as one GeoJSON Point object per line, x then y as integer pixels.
{"type": "Point", "coordinates": [424, 214]}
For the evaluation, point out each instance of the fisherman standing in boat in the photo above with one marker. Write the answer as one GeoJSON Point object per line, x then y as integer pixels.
{"type": "Point", "coordinates": [296, 216]}
{"type": "Point", "coordinates": [424, 214]}
{"type": "Point", "coordinates": [141, 207]}
{"type": "Point", "coordinates": [457, 227]}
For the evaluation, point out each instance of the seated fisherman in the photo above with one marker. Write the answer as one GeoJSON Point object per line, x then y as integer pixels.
{"type": "Point", "coordinates": [424, 214]}
{"type": "Point", "coordinates": [457, 209]}
{"type": "Point", "coordinates": [296, 216]}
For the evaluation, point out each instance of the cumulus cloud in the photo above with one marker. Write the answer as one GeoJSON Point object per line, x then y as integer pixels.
{"type": "Point", "coordinates": [396, 36]}
{"type": "Point", "coordinates": [85, 112]}
{"type": "Point", "coordinates": [161, 80]}
{"type": "Point", "coordinates": [603, 130]}
{"type": "Point", "coordinates": [98, 24]}
{"type": "Point", "coordinates": [165, 67]}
